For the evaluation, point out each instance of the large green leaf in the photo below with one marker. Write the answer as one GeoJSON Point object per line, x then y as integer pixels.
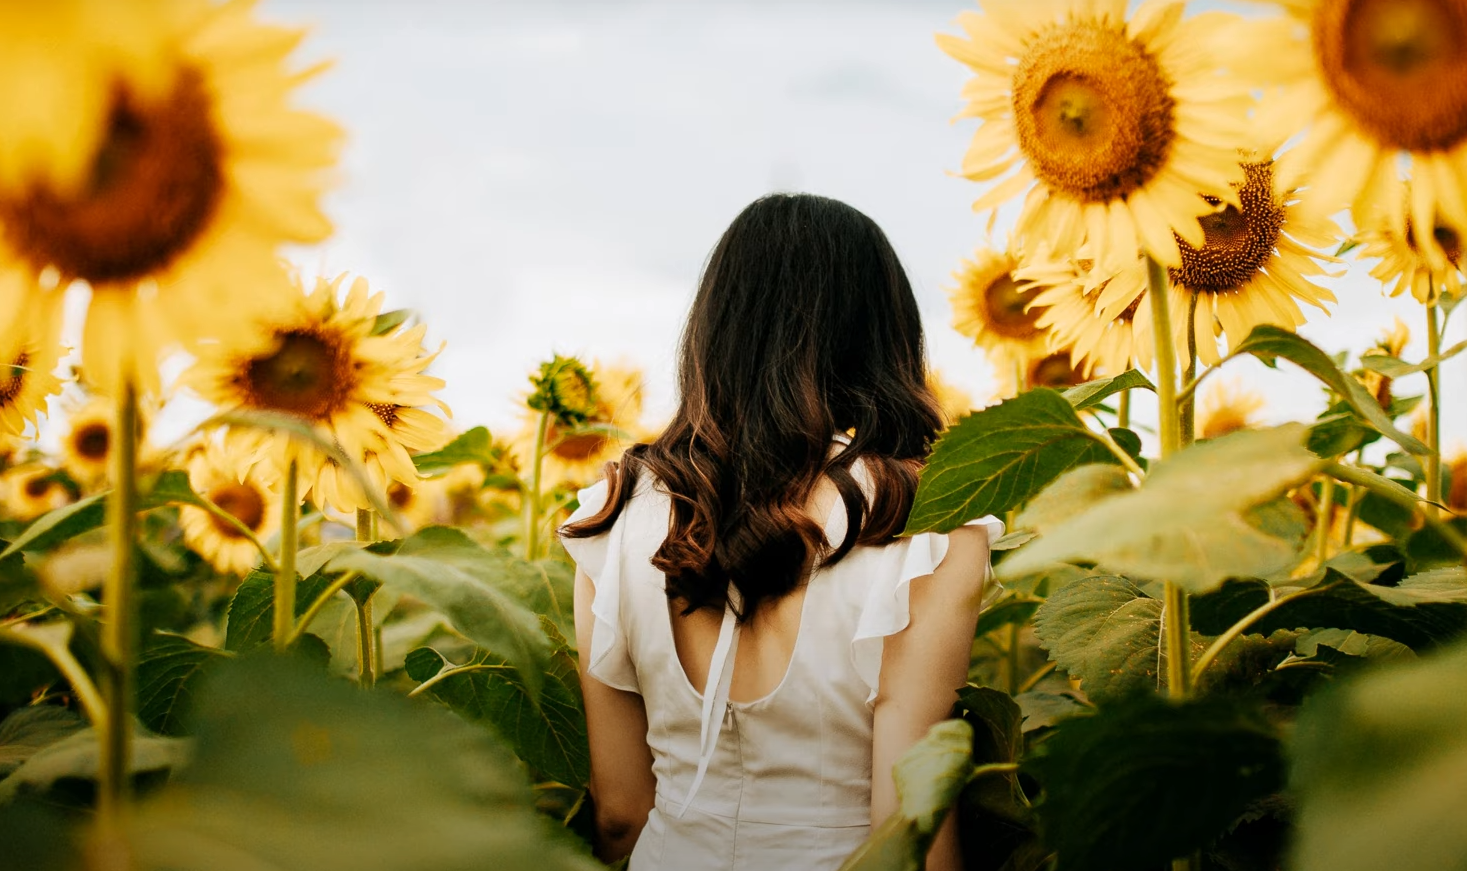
{"type": "Point", "coordinates": [1105, 631]}
{"type": "Point", "coordinates": [1072, 493]}
{"type": "Point", "coordinates": [1268, 343]}
{"type": "Point", "coordinates": [480, 591]}
{"type": "Point", "coordinates": [550, 737]}
{"type": "Point", "coordinates": [294, 771]}
{"type": "Point", "coordinates": [17, 583]}
{"type": "Point", "coordinates": [1144, 781]}
{"type": "Point", "coordinates": [1380, 770]}
{"type": "Point", "coordinates": [75, 757]}
{"type": "Point", "coordinates": [29, 730]}
{"type": "Point", "coordinates": [475, 446]}
{"type": "Point", "coordinates": [996, 459]}
{"type": "Point", "coordinates": [252, 610]}
{"type": "Point", "coordinates": [929, 778]}
{"type": "Point", "coordinates": [1394, 367]}
{"type": "Point", "coordinates": [168, 678]}
{"type": "Point", "coordinates": [1195, 520]}
{"type": "Point", "coordinates": [1092, 393]}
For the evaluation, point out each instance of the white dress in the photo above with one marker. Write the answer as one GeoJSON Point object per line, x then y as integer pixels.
{"type": "Point", "coordinates": [781, 782]}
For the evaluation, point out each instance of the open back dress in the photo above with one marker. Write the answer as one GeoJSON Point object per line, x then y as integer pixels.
{"type": "Point", "coordinates": [781, 782]}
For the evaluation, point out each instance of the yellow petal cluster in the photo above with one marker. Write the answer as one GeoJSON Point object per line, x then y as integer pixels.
{"type": "Point", "coordinates": [245, 490]}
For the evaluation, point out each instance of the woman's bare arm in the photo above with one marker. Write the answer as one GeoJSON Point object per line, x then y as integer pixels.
{"type": "Point", "coordinates": [622, 783]}
{"type": "Point", "coordinates": [922, 667]}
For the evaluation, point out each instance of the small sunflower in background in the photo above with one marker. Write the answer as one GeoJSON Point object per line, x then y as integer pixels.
{"type": "Point", "coordinates": [1055, 370]}
{"type": "Point", "coordinates": [564, 389]}
{"type": "Point", "coordinates": [30, 348]}
{"type": "Point", "coordinates": [1254, 267]}
{"type": "Point", "coordinates": [991, 308]}
{"type": "Point", "coordinates": [1404, 265]}
{"type": "Point", "coordinates": [320, 360]}
{"type": "Point", "coordinates": [1391, 343]}
{"type": "Point", "coordinates": [1375, 81]}
{"type": "Point", "coordinates": [31, 489]}
{"type": "Point", "coordinates": [195, 170]}
{"type": "Point", "coordinates": [247, 491]}
{"type": "Point", "coordinates": [1227, 408]}
{"type": "Point", "coordinates": [953, 400]}
{"type": "Point", "coordinates": [1456, 466]}
{"type": "Point", "coordinates": [1069, 292]}
{"type": "Point", "coordinates": [425, 504]}
{"type": "Point", "coordinates": [88, 442]}
{"type": "Point", "coordinates": [576, 454]}
{"type": "Point", "coordinates": [1116, 130]}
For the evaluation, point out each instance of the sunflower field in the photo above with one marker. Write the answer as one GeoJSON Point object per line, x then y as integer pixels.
{"type": "Point", "coordinates": [331, 628]}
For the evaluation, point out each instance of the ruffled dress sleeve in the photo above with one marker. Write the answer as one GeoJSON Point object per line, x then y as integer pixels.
{"type": "Point", "coordinates": [600, 558]}
{"type": "Point", "coordinates": [887, 609]}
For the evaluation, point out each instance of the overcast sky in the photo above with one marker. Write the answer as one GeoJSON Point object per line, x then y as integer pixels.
{"type": "Point", "coordinates": [535, 176]}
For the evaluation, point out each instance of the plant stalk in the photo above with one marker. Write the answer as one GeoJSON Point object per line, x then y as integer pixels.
{"type": "Point", "coordinates": [1174, 608]}
{"type": "Point", "coordinates": [1011, 660]}
{"type": "Point", "coordinates": [1324, 520]}
{"type": "Point", "coordinates": [1434, 401]}
{"type": "Point", "coordinates": [1123, 410]}
{"type": "Point", "coordinates": [532, 497]}
{"type": "Point", "coordinates": [1188, 404]}
{"type": "Point", "coordinates": [366, 640]}
{"type": "Point", "coordinates": [120, 614]}
{"type": "Point", "coordinates": [290, 510]}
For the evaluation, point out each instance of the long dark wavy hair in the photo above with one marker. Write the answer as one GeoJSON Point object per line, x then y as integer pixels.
{"type": "Point", "coordinates": [804, 326]}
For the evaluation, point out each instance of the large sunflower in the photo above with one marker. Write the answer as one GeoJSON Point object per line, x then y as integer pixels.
{"type": "Point", "coordinates": [996, 312]}
{"type": "Point", "coordinates": [1373, 80]}
{"type": "Point", "coordinates": [1253, 267]}
{"type": "Point", "coordinates": [1070, 292]}
{"type": "Point", "coordinates": [30, 347]}
{"type": "Point", "coordinates": [320, 361]}
{"type": "Point", "coordinates": [1116, 129]}
{"type": "Point", "coordinates": [1404, 262]}
{"type": "Point", "coordinates": [243, 489]}
{"type": "Point", "coordinates": [199, 173]}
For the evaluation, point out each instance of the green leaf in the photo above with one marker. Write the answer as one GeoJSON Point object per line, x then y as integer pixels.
{"type": "Point", "coordinates": [1192, 521]}
{"type": "Point", "coordinates": [390, 320]}
{"type": "Point", "coordinates": [1394, 367]}
{"type": "Point", "coordinates": [1140, 783]}
{"type": "Point", "coordinates": [1042, 710]}
{"type": "Point", "coordinates": [1105, 631]}
{"type": "Point", "coordinates": [168, 677]}
{"type": "Point", "coordinates": [1379, 763]}
{"type": "Point", "coordinates": [75, 757]}
{"type": "Point", "coordinates": [251, 618]}
{"type": "Point", "coordinates": [1072, 493]}
{"type": "Point", "coordinates": [29, 730]}
{"type": "Point", "coordinates": [996, 459]}
{"type": "Point", "coordinates": [550, 737]}
{"type": "Point", "coordinates": [996, 719]}
{"type": "Point", "coordinates": [297, 772]}
{"type": "Point", "coordinates": [1092, 393]}
{"type": "Point", "coordinates": [17, 582]}
{"type": "Point", "coordinates": [479, 591]}
{"type": "Point", "coordinates": [54, 527]}
{"type": "Point", "coordinates": [1011, 540]}
{"type": "Point", "coordinates": [474, 446]}
{"type": "Point", "coordinates": [1339, 431]}
{"type": "Point", "coordinates": [1268, 343]}
{"type": "Point", "coordinates": [1005, 612]}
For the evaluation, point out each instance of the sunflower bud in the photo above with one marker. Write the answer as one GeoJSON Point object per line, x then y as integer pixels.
{"type": "Point", "coordinates": [565, 389]}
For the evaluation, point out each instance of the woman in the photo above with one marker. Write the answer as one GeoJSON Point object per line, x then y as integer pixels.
{"type": "Point", "coordinates": [757, 647]}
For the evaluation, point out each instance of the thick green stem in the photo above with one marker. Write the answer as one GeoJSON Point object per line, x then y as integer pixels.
{"type": "Point", "coordinates": [1187, 405]}
{"type": "Point", "coordinates": [366, 638]}
{"type": "Point", "coordinates": [120, 611]}
{"type": "Point", "coordinates": [532, 496]}
{"type": "Point", "coordinates": [1123, 410]}
{"type": "Point", "coordinates": [1174, 613]}
{"type": "Point", "coordinates": [320, 603]}
{"type": "Point", "coordinates": [290, 515]}
{"type": "Point", "coordinates": [1324, 521]}
{"type": "Point", "coordinates": [366, 524]}
{"type": "Point", "coordinates": [1434, 400]}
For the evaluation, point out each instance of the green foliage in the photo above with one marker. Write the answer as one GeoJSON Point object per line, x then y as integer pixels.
{"type": "Point", "coordinates": [28, 730]}
{"type": "Point", "coordinates": [1143, 781]}
{"type": "Point", "coordinates": [1393, 367]}
{"type": "Point", "coordinates": [390, 320]}
{"type": "Point", "coordinates": [1106, 631]}
{"type": "Point", "coordinates": [170, 671]}
{"type": "Point", "coordinates": [1092, 393]}
{"type": "Point", "coordinates": [1193, 521]}
{"type": "Point", "coordinates": [998, 458]}
{"type": "Point", "coordinates": [565, 389]}
{"type": "Point", "coordinates": [252, 610]}
{"type": "Point", "coordinates": [1379, 764]}
{"type": "Point", "coordinates": [1072, 493]}
{"type": "Point", "coordinates": [474, 446]}
{"type": "Point", "coordinates": [74, 758]}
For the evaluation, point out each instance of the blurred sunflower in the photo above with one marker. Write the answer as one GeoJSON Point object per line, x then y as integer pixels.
{"type": "Point", "coordinates": [30, 348]}
{"type": "Point", "coordinates": [31, 489]}
{"type": "Point", "coordinates": [1252, 268]}
{"type": "Point", "coordinates": [88, 441]}
{"type": "Point", "coordinates": [577, 453]}
{"type": "Point", "coordinates": [991, 308]}
{"type": "Point", "coordinates": [1403, 265]}
{"type": "Point", "coordinates": [1070, 293]}
{"type": "Point", "coordinates": [1391, 343]}
{"type": "Point", "coordinates": [952, 399]}
{"type": "Point", "coordinates": [320, 361]}
{"type": "Point", "coordinates": [1457, 494]}
{"type": "Point", "coordinates": [1373, 80]}
{"type": "Point", "coordinates": [1116, 129]}
{"type": "Point", "coordinates": [1056, 370]}
{"type": "Point", "coordinates": [244, 490]}
{"type": "Point", "coordinates": [1227, 408]}
{"type": "Point", "coordinates": [421, 505]}
{"type": "Point", "coordinates": [198, 172]}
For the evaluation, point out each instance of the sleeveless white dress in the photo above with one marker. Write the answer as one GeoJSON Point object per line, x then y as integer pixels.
{"type": "Point", "coordinates": [783, 782]}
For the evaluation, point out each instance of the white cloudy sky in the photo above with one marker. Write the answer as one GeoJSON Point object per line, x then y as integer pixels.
{"type": "Point", "coordinates": [538, 175]}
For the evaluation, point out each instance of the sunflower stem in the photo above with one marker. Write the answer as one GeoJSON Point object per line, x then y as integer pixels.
{"type": "Point", "coordinates": [1324, 519]}
{"type": "Point", "coordinates": [285, 565]}
{"type": "Point", "coordinates": [1174, 608]}
{"type": "Point", "coordinates": [119, 608]}
{"type": "Point", "coordinates": [366, 639]}
{"type": "Point", "coordinates": [1188, 403]}
{"type": "Point", "coordinates": [1434, 411]}
{"type": "Point", "coordinates": [1123, 410]}
{"type": "Point", "coordinates": [532, 496]}
{"type": "Point", "coordinates": [320, 603]}
{"type": "Point", "coordinates": [1011, 660]}
{"type": "Point", "coordinates": [366, 525]}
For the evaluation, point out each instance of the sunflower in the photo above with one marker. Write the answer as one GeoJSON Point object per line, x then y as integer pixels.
{"type": "Point", "coordinates": [31, 489]}
{"type": "Point", "coordinates": [1374, 81]}
{"type": "Point", "coordinates": [243, 489]}
{"type": "Point", "coordinates": [319, 360]}
{"type": "Point", "coordinates": [1391, 343]}
{"type": "Point", "coordinates": [423, 505]}
{"type": "Point", "coordinates": [30, 347]}
{"type": "Point", "coordinates": [952, 399]}
{"type": "Point", "coordinates": [1254, 267]}
{"type": "Point", "coordinates": [1070, 290]}
{"type": "Point", "coordinates": [991, 308]}
{"type": "Point", "coordinates": [1116, 129]}
{"type": "Point", "coordinates": [1404, 264]}
{"type": "Point", "coordinates": [577, 453]}
{"type": "Point", "coordinates": [88, 442]}
{"type": "Point", "coordinates": [1227, 408]}
{"type": "Point", "coordinates": [1457, 494]}
{"type": "Point", "coordinates": [197, 176]}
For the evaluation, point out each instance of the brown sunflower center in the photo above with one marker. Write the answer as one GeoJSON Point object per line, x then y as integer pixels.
{"type": "Point", "coordinates": [155, 183]}
{"type": "Point", "coordinates": [576, 446]}
{"type": "Point", "coordinates": [307, 374]}
{"type": "Point", "coordinates": [399, 495]}
{"type": "Point", "coordinates": [1398, 67]}
{"type": "Point", "coordinates": [91, 441]}
{"type": "Point", "coordinates": [386, 412]}
{"type": "Point", "coordinates": [14, 380]}
{"type": "Point", "coordinates": [1093, 109]}
{"type": "Point", "coordinates": [1446, 238]}
{"type": "Point", "coordinates": [1054, 371]}
{"type": "Point", "coordinates": [1005, 313]}
{"type": "Point", "coordinates": [39, 486]}
{"type": "Point", "coordinates": [242, 502]}
{"type": "Point", "coordinates": [1238, 242]}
